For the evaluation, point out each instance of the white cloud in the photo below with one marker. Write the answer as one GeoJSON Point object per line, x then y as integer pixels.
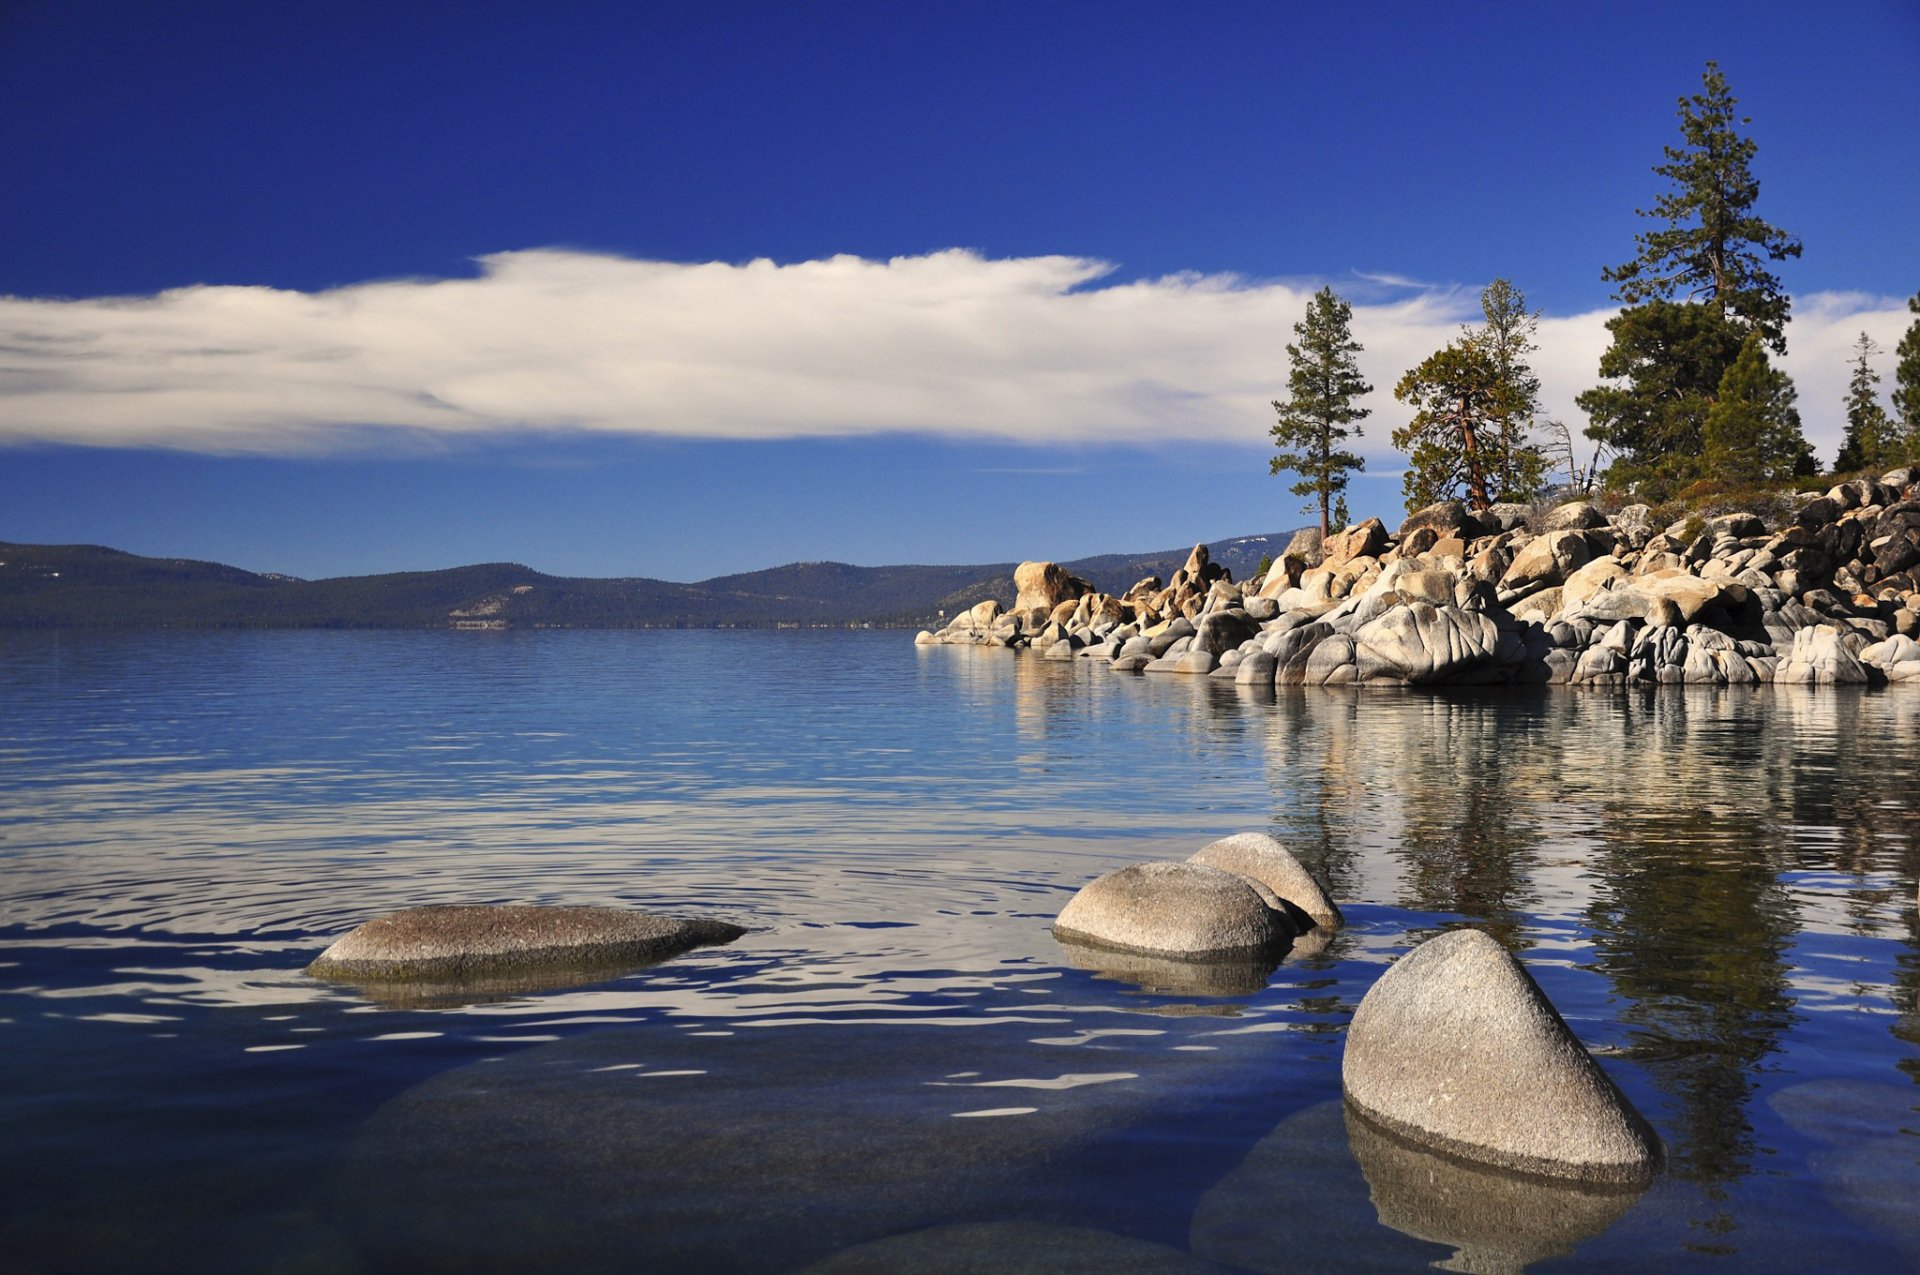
{"type": "Point", "coordinates": [1030, 350]}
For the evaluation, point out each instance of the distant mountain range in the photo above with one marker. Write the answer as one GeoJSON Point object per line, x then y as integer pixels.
{"type": "Point", "coordinates": [87, 586]}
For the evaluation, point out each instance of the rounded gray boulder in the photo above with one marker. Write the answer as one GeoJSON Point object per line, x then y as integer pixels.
{"type": "Point", "coordinates": [1456, 1048]}
{"type": "Point", "coordinates": [1262, 858]}
{"type": "Point", "coordinates": [447, 943]}
{"type": "Point", "coordinates": [1180, 909]}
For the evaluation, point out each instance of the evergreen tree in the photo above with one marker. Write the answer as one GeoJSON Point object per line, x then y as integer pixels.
{"type": "Point", "coordinates": [1518, 464]}
{"type": "Point", "coordinates": [1323, 384]}
{"type": "Point", "coordinates": [1753, 429]}
{"type": "Point", "coordinates": [1869, 442]}
{"type": "Point", "coordinates": [1712, 246]}
{"type": "Point", "coordinates": [1906, 386]}
{"type": "Point", "coordinates": [1695, 290]}
{"type": "Point", "coordinates": [1477, 399]}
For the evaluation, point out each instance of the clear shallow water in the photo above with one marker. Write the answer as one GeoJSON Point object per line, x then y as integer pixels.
{"type": "Point", "coordinates": [1716, 888]}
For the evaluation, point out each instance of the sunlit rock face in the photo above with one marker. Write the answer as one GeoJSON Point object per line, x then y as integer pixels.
{"type": "Point", "coordinates": [1173, 909]}
{"type": "Point", "coordinates": [516, 946]}
{"type": "Point", "coordinates": [1457, 1049]}
{"type": "Point", "coordinates": [1261, 857]}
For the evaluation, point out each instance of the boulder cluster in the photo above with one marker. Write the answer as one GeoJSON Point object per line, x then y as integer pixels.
{"type": "Point", "coordinates": [1514, 595]}
{"type": "Point", "coordinates": [1240, 894]}
{"type": "Point", "coordinates": [1455, 1048]}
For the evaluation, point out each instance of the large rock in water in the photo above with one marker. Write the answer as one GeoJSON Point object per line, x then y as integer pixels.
{"type": "Point", "coordinates": [450, 943]}
{"type": "Point", "coordinates": [1262, 858]}
{"type": "Point", "coordinates": [1456, 1048]}
{"type": "Point", "coordinates": [1179, 909]}
{"type": "Point", "coordinates": [1045, 585]}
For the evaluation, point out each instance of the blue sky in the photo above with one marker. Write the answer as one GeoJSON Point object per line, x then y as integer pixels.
{"type": "Point", "coordinates": [675, 290]}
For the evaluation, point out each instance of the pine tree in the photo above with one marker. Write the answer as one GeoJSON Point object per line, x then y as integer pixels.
{"type": "Point", "coordinates": [1477, 399]}
{"type": "Point", "coordinates": [1906, 386]}
{"type": "Point", "coordinates": [1518, 464]}
{"type": "Point", "coordinates": [1695, 290]}
{"type": "Point", "coordinates": [1712, 246]}
{"type": "Point", "coordinates": [1323, 384]}
{"type": "Point", "coordinates": [1753, 429]}
{"type": "Point", "coordinates": [1869, 442]}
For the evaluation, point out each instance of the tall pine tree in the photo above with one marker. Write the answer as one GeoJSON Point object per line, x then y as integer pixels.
{"type": "Point", "coordinates": [1753, 429]}
{"type": "Point", "coordinates": [1476, 401]}
{"type": "Point", "coordinates": [1870, 443]}
{"type": "Point", "coordinates": [1712, 246]}
{"type": "Point", "coordinates": [1906, 386]}
{"type": "Point", "coordinates": [1697, 287]}
{"type": "Point", "coordinates": [1321, 410]}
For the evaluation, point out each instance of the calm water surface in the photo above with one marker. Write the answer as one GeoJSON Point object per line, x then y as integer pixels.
{"type": "Point", "coordinates": [1716, 888]}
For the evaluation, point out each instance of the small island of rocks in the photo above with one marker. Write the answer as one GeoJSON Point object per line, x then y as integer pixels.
{"type": "Point", "coordinates": [1828, 592]}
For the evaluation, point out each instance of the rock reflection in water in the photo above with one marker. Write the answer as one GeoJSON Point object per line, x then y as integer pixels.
{"type": "Point", "coordinates": [489, 990]}
{"type": "Point", "coordinates": [1240, 975]}
{"type": "Point", "coordinates": [1497, 1223]}
{"type": "Point", "coordinates": [1316, 1192]}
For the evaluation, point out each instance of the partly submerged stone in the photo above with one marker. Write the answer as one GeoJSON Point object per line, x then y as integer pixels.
{"type": "Point", "coordinates": [1456, 1048]}
{"type": "Point", "coordinates": [1180, 909]}
{"type": "Point", "coordinates": [453, 942]}
{"type": "Point", "coordinates": [996, 1248]}
{"type": "Point", "coordinates": [1260, 857]}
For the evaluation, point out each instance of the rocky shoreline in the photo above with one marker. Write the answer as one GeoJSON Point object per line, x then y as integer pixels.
{"type": "Point", "coordinates": [1516, 595]}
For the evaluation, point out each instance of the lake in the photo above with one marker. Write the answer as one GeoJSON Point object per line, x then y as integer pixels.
{"type": "Point", "coordinates": [1716, 888]}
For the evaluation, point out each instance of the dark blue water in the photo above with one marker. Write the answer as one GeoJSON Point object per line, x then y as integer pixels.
{"type": "Point", "coordinates": [1716, 888]}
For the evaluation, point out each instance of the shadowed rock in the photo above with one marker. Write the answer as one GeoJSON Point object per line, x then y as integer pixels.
{"type": "Point", "coordinates": [1183, 909]}
{"type": "Point", "coordinates": [1262, 858]}
{"type": "Point", "coordinates": [1238, 974]}
{"type": "Point", "coordinates": [1001, 1248]}
{"type": "Point", "coordinates": [1456, 1048]}
{"type": "Point", "coordinates": [451, 944]}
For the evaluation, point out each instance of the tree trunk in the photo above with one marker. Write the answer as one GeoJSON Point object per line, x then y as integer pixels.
{"type": "Point", "coordinates": [1469, 447]}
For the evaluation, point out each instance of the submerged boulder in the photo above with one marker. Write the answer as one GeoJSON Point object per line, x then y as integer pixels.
{"type": "Point", "coordinates": [1262, 858]}
{"type": "Point", "coordinates": [1179, 909]}
{"type": "Point", "coordinates": [989, 1248]}
{"type": "Point", "coordinates": [1456, 1048]}
{"type": "Point", "coordinates": [450, 942]}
